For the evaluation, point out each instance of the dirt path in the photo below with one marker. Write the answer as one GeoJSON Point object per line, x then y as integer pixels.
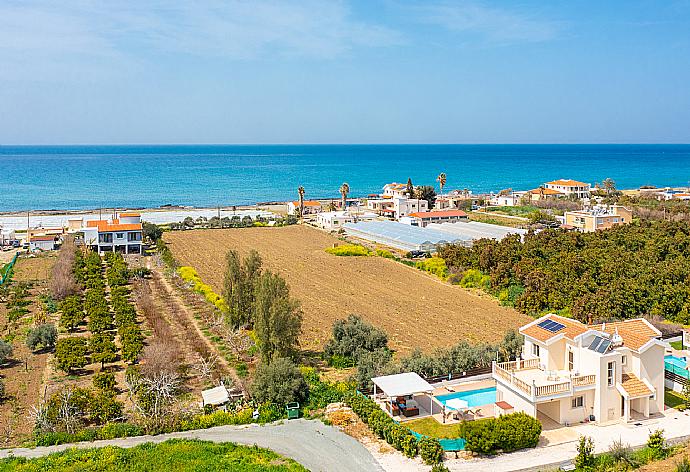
{"type": "Point", "coordinates": [184, 324]}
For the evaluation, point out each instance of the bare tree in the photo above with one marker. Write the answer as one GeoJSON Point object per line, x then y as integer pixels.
{"type": "Point", "coordinates": [159, 357]}
{"type": "Point", "coordinates": [205, 366]}
{"type": "Point", "coordinates": [62, 282]}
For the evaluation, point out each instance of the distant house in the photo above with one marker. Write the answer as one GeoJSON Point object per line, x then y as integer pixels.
{"type": "Point", "coordinates": [45, 242]}
{"type": "Point", "coordinates": [423, 218]}
{"type": "Point", "coordinates": [456, 200]}
{"type": "Point", "coordinates": [122, 234]}
{"type": "Point", "coordinates": [543, 193]}
{"type": "Point", "coordinates": [571, 188]}
{"type": "Point", "coordinates": [334, 220]}
{"type": "Point", "coordinates": [394, 190]}
{"type": "Point", "coordinates": [403, 206]}
{"type": "Point", "coordinates": [510, 199]}
{"type": "Point", "coordinates": [311, 207]}
{"type": "Point", "coordinates": [381, 206]}
{"type": "Point", "coordinates": [598, 218]}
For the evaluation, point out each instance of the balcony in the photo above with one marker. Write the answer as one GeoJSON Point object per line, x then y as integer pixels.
{"type": "Point", "coordinates": [529, 379]}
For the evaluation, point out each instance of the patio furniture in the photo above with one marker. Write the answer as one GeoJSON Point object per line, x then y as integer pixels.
{"type": "Point", "coordinates": [407, 412]}
{"type": "Point", "coordinates": [399, 386]}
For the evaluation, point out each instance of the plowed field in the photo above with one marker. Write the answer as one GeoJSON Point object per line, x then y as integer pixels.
{"type": "Point", "coordinates": [416, 310]}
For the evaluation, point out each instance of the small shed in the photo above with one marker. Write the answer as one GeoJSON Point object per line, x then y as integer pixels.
{"type": "Point", "coordinates": [215, 396]}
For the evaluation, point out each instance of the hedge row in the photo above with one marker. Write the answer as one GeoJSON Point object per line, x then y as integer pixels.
{"type": "Point", "coordinates": [398, 436]}
{"type": "Point", "coordinates": [190, 275]}
{"type": "Point", "coordinates": [506, 433]}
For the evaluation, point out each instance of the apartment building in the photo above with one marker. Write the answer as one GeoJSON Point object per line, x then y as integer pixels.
{"type": "Point", "coordinates": [570, 188]}
{"type": "Point", "coordinates": [121, 234]}
{"type": "Point", "coordinates": [598, 217]}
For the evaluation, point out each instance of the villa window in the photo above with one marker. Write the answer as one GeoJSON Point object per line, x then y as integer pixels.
{"type": "Point", "coordinates": [611, 373]}
{"type": "Point", "coordinates": [535, 350]}
{"type": "Point", "coordinates": [119, 235]}
{"type": "Point", "coordinates": [624, 360]}
{"type": "Point", "coordinates": [571, 360]}
{"type": "Point", "coordinates": [578, 402]}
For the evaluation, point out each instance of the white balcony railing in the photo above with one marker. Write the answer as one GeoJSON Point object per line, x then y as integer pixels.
{"type": "Point", "coordinates": [508, 373]}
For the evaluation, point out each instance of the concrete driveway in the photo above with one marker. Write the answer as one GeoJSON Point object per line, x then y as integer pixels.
{"type": "Point", "coordinates": [317, 447]}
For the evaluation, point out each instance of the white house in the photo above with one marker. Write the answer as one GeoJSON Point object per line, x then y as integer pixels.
{"type": "Point", "coordinates": [311, 207]}
{"type": "Point", "coordinates": [122, 234]}
{"type": "Point", "coordinates": [510, 199]}
{"type": "Point", "coordinates": [571, 372]}
{"type": "Point", "coordinates": [43, 242]}
{"type": "Point", "coordinates": [395, 190]}
{"type": "Point", "coordinates": [423, 218]}
{"type": "Point", "coordinates": [334, 220]}
{"type": "Point", "coordinates": [403, 206]}
{"type": "Point", "coordinates": [381, 206]}
{"type": "Point", "coordinates": [571, 188]}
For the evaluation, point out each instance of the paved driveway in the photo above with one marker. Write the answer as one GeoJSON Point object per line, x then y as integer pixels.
{"type": "Point", "coordinates": [318, 447]}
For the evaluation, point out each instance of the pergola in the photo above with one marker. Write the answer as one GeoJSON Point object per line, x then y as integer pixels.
{"type": "Point", "coordinates": [400, 385]}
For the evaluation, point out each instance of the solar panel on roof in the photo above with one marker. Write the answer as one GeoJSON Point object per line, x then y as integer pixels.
{"type": "Point", "coordinates": [599, 344]}
{"type": "Point", "coordinates": [551, 325]}
{"type": "Point", "coordinates": [603, 347]}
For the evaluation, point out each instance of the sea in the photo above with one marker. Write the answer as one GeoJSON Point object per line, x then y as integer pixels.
{"type": "Point", "coordinates": [135, 176]}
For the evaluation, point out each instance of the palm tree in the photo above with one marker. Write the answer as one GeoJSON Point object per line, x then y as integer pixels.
{"type": "Point", "coordinates": [344, 190]}
{"type": "Point", "coordinates": [300, 192]}
{"type": "Point", "coordinates": [441, 179]}
{"type": "Point", "coordinates": [609, 185]}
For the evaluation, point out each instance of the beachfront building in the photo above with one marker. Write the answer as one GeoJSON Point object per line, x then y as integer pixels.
{"type": "Point", "coordinates": [406, 206]}
{"type": "Point", "coordinates": [43, 242]}
{"type": "Point", "coordinates": [334, 220]}
{"type": "Point", "coordinates": [543, 193]}
{"type": "Point", "coordinates": [456, 200]}
{"type": "Point", "coordinates": [423, 218]}
{"type": "Point", "coordinates": [394, 190]}
{"type": "Point", "coordinates": [597, 218]}
{"type": "Point", "coordinates": [507, 199]}
{"type": "Point", "coordinates": [381, 206]}
{"type": "Point", "coordinates": [122, 234]}
{"type": "Point", "coordinates": [311, 207]}
{"type": "Point", "coordinates": [571, 372]}
{"type": "Point", "coordinates": [570, 188]}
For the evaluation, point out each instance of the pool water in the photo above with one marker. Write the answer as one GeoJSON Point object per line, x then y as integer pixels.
{"type": "Point", "coordinates": [677, 365]}
{"type": "Point", "coordinates": [484, 396]}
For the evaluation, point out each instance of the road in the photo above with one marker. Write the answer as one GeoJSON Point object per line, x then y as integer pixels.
{"type": "Point", "coordinates": [311, 443]}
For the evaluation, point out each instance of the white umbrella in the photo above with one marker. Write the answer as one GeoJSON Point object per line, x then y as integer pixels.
{"type": "Point", "coordinates": [457, 404]}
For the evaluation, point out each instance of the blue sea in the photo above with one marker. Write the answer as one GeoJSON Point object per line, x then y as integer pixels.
{"type": "Point", "coordinates": [83, 177]}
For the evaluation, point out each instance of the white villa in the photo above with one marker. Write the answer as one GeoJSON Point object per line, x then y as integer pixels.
{"type": "Point", "coordinates": [571, 372]}
{"type": "Point", "coordinates": [394, 190]}
{"type": "Point", "coordinates": [570, 188]}
{"type": "Point", "coordinates": [122, 234]}
{"type": "Point", "coordinates": [334, 220]}
{"type": "Point", "coordinates": [310, 207]}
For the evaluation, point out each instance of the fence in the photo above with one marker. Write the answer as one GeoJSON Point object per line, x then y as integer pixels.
{"type": "Point", "coordinates": [8, 269]}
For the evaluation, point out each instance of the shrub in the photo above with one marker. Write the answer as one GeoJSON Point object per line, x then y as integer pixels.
{"type": "Point", "coordinates": [507, 433]}
{"type": "Point", "coordinates": [352, 336]}
{"type": "Point", "coordinates": [657, 444]}
{"type": "Point", "coordinates": [340, 362]}
{"type": "Point", "coordinates": [473, 278]}
{"type": "Point", "coordinates": [683, 465]}
{"type": "Point", "coordinates": [43, 335]}
{"type": "Point", "coordinates": [348, 250]}
{"type": "Point", "coordinates": [104, 381]}
{"type": "Point", "coordinates": [585, 460]}
{"type": "Point", "coordinates": [105, 407]}
{"type": "Point", "coordinates": [5, 351]}
{"type": "Point", "coordinates": [430, 450]}
{"type": "Point", "coordinates": [385, 254]}
{"type": "Point", "coordinates": [439, 468]}
{"type": "Point", "coordinates": [70, 353]}
{"type": "Point", "coordinates": [279, 382]}
{"type": "Point", "coordinates": [2, 389]}
{"type": "Point", "coordinates": [621, 453]}
{"type": "Point", "coordinates": [190, 275]}
{"type": "Point", "coordinates": [434, 265]}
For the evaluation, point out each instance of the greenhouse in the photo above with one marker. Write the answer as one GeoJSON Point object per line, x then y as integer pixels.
{"type": "Point", "coordinates": [475, 230]}
{"type": "Point", "coordinates": [402, 236]}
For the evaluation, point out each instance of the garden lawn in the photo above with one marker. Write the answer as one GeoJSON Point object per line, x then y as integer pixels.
{"type": "Point", "coordinates": [432, 428]}
{"type": "Point", "coordinates": [673, 399]}
{"type": "Point", "coordinates": [175, 454]}
{"type": "Point", "coordinates": [678, 345]}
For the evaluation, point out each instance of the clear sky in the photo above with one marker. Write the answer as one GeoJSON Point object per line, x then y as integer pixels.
{"type": "Point", "coordinates": [371, 71]}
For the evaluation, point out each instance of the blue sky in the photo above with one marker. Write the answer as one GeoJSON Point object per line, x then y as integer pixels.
{"type": "Point", "coordinates": [388, 71]}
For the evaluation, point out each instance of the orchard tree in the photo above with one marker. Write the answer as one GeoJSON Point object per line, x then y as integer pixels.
{"type": "Point", "coordinates": [279, 382]}
{"type": "Point", "coordinates": [102, 348]}
{"type": "Point", "coordinates": [43, 335]}
{"type": "Point", "coordinates": [70, 354]}
{"type": "Point", "coordinates": [72, 312]}
{"type": "Point", "coordinates": [5, 351]}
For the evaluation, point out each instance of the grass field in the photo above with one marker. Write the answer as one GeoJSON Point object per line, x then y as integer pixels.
{"type": "Point", "coordinates": [431, 427]}
{"type": "Point", "coordinates": [673, 399]}
{"type": "Point", "coordinates": [416, 310]}
{"type": "Point", "coordinates": [178, 455]}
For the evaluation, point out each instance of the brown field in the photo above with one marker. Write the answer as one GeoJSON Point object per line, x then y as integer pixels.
{"type": "Point", "coordinates": [416, 309]}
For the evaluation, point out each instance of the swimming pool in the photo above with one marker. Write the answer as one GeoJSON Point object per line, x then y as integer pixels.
{"type": "Point", "coordinates": [677, 365]}
{"type": "Point", "coordinates": [484, 396]}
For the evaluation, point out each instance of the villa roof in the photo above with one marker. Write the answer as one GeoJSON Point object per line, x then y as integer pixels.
{"type": "Point", "coordinates": [43, 237]}
{"type": "Point", "coordinates": [439, 214]}
{"type": "Point", "coordinates": [567, 183]}
{"type": "Point", "coordinates": [130, 214]}
{"type": "Point", "coordinates": [308, 203]}
{"type": "Point", "coordinates": [635, 333]}
{"type": "Point", "coordinates": [545, 191]}
{"type": "Point", "coordinates": [106, 226]}
{"type": "Point", "coordinates": [633, 386]}
{"type": "Point", "coordinates": [572, 328]}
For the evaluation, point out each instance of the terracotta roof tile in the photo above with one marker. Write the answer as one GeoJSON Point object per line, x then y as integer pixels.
{"type": "Point", "coordinates": [572, 329]}
{"type": "Point", "coordinates": [545, 191]}
{"type": "Point", "coordinates": [567, 183]}
{"type": "Point", "coordinates": [635, 333]}
{"type": "Point", "coordinates": [634, 386]}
